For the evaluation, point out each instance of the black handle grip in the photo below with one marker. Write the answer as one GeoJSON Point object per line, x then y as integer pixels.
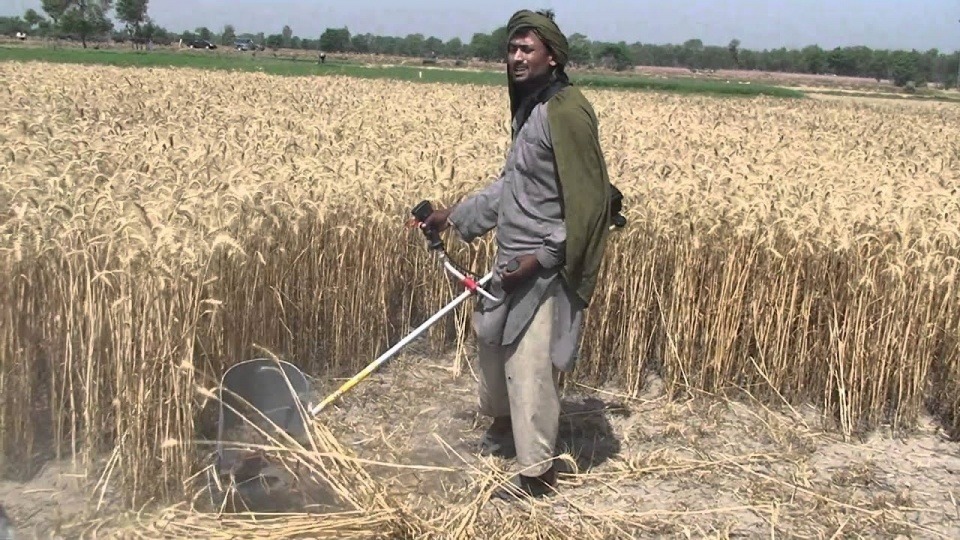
{"type": "Point", "coordinates": [421, 212]}
{"type": "Point", "coordinates": [616, 206]}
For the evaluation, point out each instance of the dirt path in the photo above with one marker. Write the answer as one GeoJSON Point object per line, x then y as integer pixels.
{"type": "Point", "coordinates": [698, 466]}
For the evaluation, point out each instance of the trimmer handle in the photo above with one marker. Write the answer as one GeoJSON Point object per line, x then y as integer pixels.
{"type": "Point", "coordinates": [421, 212]}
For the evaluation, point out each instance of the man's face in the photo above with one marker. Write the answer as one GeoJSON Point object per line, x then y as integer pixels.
{"type": "Point", "coordinates": [528, 59]}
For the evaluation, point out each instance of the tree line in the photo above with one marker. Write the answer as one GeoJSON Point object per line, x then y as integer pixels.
{"type": "Point", "coordinates": [89, 20]}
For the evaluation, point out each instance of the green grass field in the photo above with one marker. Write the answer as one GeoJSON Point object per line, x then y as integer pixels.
{"type": "Point", "coordinates": [266, 63]}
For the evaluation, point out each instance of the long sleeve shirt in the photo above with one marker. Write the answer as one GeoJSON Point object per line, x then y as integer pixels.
{"type": "Point", "coordinates": [525, 205]}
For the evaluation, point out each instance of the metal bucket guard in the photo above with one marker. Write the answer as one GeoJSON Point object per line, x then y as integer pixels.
{"type": "Point", "coordinates": [262, 392]}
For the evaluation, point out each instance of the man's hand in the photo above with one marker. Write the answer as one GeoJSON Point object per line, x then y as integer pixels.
{"type": "Point", "coordinates": [436, 221]}
{"type": "Point", "coordinates": [529, 266]}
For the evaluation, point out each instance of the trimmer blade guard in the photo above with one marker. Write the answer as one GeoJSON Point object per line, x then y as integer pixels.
{"type": "Point", "coordinates": [262, 392]}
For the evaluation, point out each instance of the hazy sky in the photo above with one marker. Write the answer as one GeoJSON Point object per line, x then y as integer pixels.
{"type": "Point", "coordinates": [758, 24]}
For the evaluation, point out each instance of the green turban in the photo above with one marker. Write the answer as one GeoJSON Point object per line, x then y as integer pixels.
{"type": "Point", "coordinates": [544, 26]}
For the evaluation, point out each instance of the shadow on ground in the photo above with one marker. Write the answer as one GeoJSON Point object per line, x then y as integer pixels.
{"type": "Point", "coordinates": [585, 431]}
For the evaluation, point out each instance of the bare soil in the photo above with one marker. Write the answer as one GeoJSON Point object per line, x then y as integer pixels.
{"type": "Point", "coordinates": [697, 464]}
{"type": "Point", "coordinates": [692, 465]}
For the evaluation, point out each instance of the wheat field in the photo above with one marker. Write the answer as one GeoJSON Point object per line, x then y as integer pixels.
{"type": "Point", "coordinates": [159, 225]}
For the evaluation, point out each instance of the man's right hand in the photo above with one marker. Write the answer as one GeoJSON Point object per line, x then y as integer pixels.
{"type": "Point", "coordinates": [438, 220]}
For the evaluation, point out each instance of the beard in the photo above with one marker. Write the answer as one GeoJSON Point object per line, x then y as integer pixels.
{"type": "Point", "coordinates": [526, 80]}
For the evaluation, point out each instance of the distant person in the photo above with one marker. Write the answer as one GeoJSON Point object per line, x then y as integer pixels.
{"type": "Point", "coordinates": [550, 206]}
{"type": "Point", "coordinates": [323, 58]}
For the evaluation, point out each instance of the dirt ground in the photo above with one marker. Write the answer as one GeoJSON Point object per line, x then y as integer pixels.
{"type": "Point", "coordinates": [700, 465]}
{"type": "Point", "coordinates": [693, 466]}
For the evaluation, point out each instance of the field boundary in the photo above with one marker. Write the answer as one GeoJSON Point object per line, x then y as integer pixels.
{"type": "Point", "coordinates": [308, 67]}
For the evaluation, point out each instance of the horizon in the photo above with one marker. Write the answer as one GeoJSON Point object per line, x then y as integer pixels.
{"type": "Point", "coordinates": [758, 24]}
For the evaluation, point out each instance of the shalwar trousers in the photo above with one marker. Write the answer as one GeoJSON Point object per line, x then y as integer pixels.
{"type": "Point", "coordinates": [520, 381]}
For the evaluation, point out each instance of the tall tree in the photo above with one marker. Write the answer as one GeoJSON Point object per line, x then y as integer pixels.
{"type": "Point", "coordinates": [734, 48]}
{"type": "Point", "coordinates": [84, 18]}
{"type": "Point", "coordinates": [32, 18]}
{"type": "Point", "coordinates": [580, 49]}
{"type": "Point", "coordinates": [133, 13]}
{"type": "Point", "coordinates": [55, 9]}
{"type": "Point", "coordinates": [287, 33]}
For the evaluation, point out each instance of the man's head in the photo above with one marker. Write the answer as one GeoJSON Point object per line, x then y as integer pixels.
{"type": "Point", "coordinates": [535, 47]}
{"type": "Point", "coordinates": [529, 61]}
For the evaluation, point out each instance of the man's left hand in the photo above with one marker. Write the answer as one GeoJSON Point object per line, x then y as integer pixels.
{"type": "Point", "coordinates": [529, 267]}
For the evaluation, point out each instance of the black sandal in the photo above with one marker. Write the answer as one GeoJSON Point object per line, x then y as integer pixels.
{"type": "Point", "coordinates": [523, 487]}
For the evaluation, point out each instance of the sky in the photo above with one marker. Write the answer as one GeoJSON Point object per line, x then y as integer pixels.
{"type": "Point", "coordinates": [758, 24]}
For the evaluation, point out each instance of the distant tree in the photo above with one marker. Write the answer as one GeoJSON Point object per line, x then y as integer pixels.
{"type": "Point", "coordinates": [133, 13]}
{"type": "Point", "coordinates": [904, 68]}
{"type": "Point", "coordinates": [492, 46]}
{"type": "Point", "coordinates": [287, 34]}
{"type": "Point", "coordinates": [360, 43]}
{"type": "Point", "coordinates": [690, 53]}
{"type": "Point", "coordinates": [204, 33]}
{"type": "Point", "coordinates": [55, 9]}
{"type": "Point", "coordinates": [580, 53]}
{"type": "Point", "coordinates": [32, 18]}
{"type": "Point", "coordinates": [413, 45]}
{"type": "Point", "coordinates": [879, 66]}
{"type": "Point", "coordinates": [615, 56]}
{"type": "Point", "coordinates": [156, 33]}
{"type": "Point", "coordinates": [12, 25]}
{"type": "Point", "coordinates": [813, 60]}
{"type": "Point", "coordinates": [433, 45]}
{"type": "Point", "coordinates": [734, 48]}
{"type": "Point", "coordinates": [480, 46]}
{"type": "Point", "coordinates": [841, 62]}
{"type": "Point", "coordinates": [453, 48]}
{"type": "Point", "coordinates": [335, 39]}
{"type": "Point", "coordinates": [83, 18]}
{"type": "Point", "coordinates": [275, 41]}
{"type": "Point", "coordinates": [229, 35]}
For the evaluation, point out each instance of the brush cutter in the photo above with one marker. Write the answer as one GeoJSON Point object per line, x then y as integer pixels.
{"type": "Point", "coordinates": [269, 394]}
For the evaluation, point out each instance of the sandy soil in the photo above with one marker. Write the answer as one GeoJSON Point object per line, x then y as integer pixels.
{"type": "Point", "coordinates": [695, 465]}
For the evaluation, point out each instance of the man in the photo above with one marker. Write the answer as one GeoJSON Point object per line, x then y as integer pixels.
{"type": "Point", "coordinates": [551, 211]}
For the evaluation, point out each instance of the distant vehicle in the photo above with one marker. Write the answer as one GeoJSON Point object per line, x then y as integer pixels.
{"type": "Point", "coordinates": [247, 44]}
{"type": "Point", "coordinates": [201, 44]}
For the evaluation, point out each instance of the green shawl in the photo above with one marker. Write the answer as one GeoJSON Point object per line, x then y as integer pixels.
{"type": "Point", "coordinates": [581, 169]}
{"type": "Point", "coordinates": [585, 185]}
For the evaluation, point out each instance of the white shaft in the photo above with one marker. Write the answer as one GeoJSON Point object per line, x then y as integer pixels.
{"type": "Point", "coordinates": [450, 268]}
{"type": "Point", "coordinates": [393, 350]}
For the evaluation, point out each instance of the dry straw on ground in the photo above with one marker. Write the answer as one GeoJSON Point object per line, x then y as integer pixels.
{"type": "Point", "coordinates": [157, 226]}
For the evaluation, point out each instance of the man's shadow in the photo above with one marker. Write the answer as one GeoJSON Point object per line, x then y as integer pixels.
{"type": "Point", "coordinates": [585, 432]}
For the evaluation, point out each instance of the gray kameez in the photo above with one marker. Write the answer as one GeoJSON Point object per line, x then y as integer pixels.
{"type": "Point", "coordinates": [525, 206]}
